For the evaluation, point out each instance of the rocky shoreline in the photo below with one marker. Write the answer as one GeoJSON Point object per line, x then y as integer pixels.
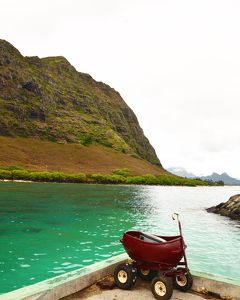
{"type": "Point", "coordinates": [230, 209]}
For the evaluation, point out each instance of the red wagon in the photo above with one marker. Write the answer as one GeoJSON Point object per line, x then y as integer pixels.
{"type": "Point", "coordinates": [161, 259]}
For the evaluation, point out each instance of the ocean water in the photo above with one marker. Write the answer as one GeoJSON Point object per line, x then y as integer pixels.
{"type": "Point", "coordinates": [49, 229]}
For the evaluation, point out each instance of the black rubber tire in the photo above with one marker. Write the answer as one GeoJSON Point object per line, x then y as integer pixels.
{"type": "Point", "coordinates": [125, 276]}
{"type": "Point", "coordinates": [183, 283]}
{"type": "Point", "coordinates": [162, 288]}
{"type": "Point", "coordinates": [146, 274]}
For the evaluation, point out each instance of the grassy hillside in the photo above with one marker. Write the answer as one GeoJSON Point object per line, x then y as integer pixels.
{"type": "Point", "coordinates": [36, 160]}
{"type": "Point", "coordinates": [40, 155]}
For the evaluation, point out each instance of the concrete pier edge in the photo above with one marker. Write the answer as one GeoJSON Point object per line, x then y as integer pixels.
{"type": "Point", "coordinates": [74, 281]}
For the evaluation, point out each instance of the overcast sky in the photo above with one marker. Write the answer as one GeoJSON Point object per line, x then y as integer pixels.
{"type": "Point", "coordinates": [175, 62]}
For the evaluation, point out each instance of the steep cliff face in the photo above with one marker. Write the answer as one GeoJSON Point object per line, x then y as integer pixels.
{"type": "Point", "coordinates": [48, 99]}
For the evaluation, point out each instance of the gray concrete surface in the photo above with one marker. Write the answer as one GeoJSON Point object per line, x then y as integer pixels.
{"type": "Point", "coordinates": [141, 291]}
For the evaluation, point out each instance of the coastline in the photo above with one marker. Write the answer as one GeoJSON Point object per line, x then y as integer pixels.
{"type": "Point", "coordinates": [99, 183]}
{"type": "Point", "coordinates": [9, 180]}
{"type": "Point", "coordinates": [123, 177]}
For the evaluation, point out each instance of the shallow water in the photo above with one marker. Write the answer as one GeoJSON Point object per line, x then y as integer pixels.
{"type": "Point", "coordinates": [50, 229]}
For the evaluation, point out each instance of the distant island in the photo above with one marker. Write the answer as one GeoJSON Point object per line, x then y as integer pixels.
{"type": "Point", "coordinates": [60, 125]}
{"type": "Point", "coordinates": [224, 177]}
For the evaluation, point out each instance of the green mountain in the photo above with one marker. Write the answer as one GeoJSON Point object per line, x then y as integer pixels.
{"type": "Point", "coordinates": [47, 99]}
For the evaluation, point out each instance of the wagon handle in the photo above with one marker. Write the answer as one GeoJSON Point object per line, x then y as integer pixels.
{"type": "Point", "coordinates": [174, 217]}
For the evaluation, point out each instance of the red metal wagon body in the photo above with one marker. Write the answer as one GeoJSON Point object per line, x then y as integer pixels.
{"type": "Point", "coordinates": [166, 251]}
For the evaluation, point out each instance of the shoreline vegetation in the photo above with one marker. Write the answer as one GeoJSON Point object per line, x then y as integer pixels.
{"type": "Point", "coordinates": [118, 176]}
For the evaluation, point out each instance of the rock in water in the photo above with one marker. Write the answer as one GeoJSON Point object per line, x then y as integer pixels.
{"type": "Point", "coordinates": [230, 209]}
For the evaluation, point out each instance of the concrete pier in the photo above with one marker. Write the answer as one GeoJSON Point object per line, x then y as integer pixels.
{"type": "Point", "coordinates": [141, 291]}
{"type": "Point", "coordinates": [73, 282]}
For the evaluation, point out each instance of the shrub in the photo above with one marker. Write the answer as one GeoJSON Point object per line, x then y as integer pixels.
{"type": "Point", "coordinates": [150, 179]}
{"type": "Point", "coordinates": [77, 178]}
{"type": "Point", "coordinates": [135, 180]}
{"type": "Point", "coordinates": [122, 172]}
{"type": "Point", "coordinates": [116, 179]}
{"type": "Point", "coordinates": [40, 176]}
{"type": "Point", "coordinates": [11, 168]}
{"type": "Point", "coordinates": [5, 174]}
{"type": "Point", "coordinates": [87, 140]}
{"type": "Point", "coordinates": [119, 176]}
{"type": "Point", "coordinates": [104, 178]}
{"type": "Point", "coordinates": [21, 175]}
{"type": "Point", "coordinates": [57, 176]}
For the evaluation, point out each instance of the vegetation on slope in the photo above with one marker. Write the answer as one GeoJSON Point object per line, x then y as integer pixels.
{"type": "Point", "coordinates": [117, 177]}
{"type": "Point", "coordinates": [48, 99]}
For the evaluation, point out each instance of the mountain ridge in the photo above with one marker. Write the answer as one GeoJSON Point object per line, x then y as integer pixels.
{"type": "Point", "coordinates": [47, 98]}
{"type": "Point", "coordinates": [228, 180]}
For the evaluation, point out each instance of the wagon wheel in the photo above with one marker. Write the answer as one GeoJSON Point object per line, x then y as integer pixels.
{"type": "Point", "coordinates": [162, 288]}
{"type": "Point", "coordinates": [183, 282]}
{"type": "Point", "coordinates": [146, 274]}
{"type": "Point", "coordinates": [125, 276]}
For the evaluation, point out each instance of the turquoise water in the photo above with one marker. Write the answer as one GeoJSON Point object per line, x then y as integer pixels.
{"type": "Point", "coordinates": [50, 229]}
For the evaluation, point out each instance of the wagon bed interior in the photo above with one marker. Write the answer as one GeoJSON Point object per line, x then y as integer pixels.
{"type": "Point", "coordinates": [151, 238]}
